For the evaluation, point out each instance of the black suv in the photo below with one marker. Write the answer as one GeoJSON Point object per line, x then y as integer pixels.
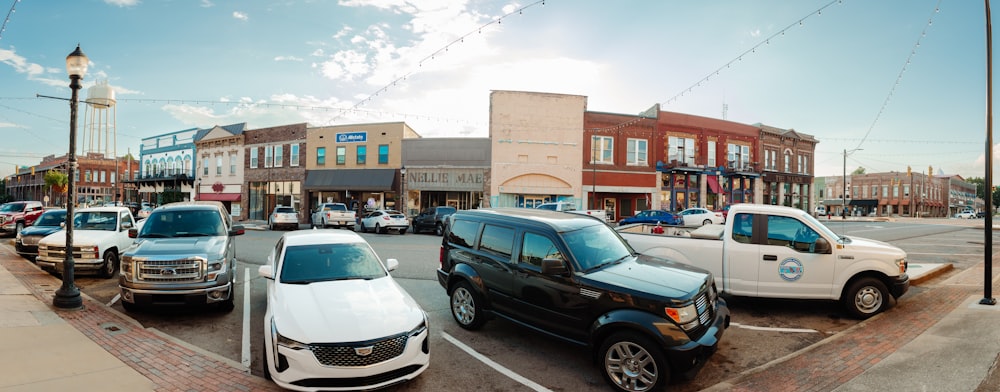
{"type": "Point", "coordinates": [432, 218]}
{"type": "Point", "coordinates": [573, 277]}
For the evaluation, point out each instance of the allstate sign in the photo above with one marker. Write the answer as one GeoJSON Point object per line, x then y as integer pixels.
{"type": "Point", "coordinates": [352, 137]}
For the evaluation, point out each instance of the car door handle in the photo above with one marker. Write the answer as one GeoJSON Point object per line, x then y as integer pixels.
{"type": "Point", "coordinates": [770, 257]}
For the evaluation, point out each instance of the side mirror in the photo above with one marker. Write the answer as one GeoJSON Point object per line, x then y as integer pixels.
{"type": "Point", "coordinates": [822, 246]}
{"type": "Point", "coordinates": [391, 264]}
{"type": "Point", "coordinates": [265, 271]}
{"type": "Point", "coordinates": [133, 233]}
{"type": "Point", "coordinates": [553, 267]}
{"type": "Point", "coordinates": [237, 230]}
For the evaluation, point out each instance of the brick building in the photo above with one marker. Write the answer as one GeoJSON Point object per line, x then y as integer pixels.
{"type": "Point", "coordinates": [275, 163]}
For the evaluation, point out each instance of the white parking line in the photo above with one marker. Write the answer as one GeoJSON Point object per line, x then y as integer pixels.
{"type": "Point", "coordinates": [774, 329]}
{"type": "Point", "coordinates": [496, 366]}
{"type": "Point", "coordinates": [245, 346]}
{"type": "Point", "coordinates": [114, 299]}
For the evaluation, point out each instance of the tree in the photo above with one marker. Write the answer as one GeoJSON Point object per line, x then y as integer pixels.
{"type": "Point", "coordinates": [56, 180]}
{"type": "Point", "coordinates": [859, 171]}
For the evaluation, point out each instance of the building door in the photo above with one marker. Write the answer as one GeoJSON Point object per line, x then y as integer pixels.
{"type": "Point", "coordinates": [610, 206]}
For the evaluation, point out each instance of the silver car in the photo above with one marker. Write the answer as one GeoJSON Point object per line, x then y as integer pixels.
{"type": "Point", "coordinates": [283, 217]}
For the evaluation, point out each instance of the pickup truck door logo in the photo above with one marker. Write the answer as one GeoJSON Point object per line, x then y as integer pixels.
{"type": "Point", "coordinates": [790, 269]}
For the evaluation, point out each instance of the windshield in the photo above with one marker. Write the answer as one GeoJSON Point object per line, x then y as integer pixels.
{"type": "Point", "coordinates": [284, 210]}
{"type": "Point", "coordinates": [52, 218]}
{"type": "Point", "coordinates": [325, 262]}
{"type": "Point", "coordinates": [821, 227]}
{"type": "Point", "coordinates": [596, 246]}
{"type": "Point", "coordinates": [96, 220]}
{"type": "Point", "coordinates": [12, 207]}
{"type": "Point", "coordinates": [183, 223]}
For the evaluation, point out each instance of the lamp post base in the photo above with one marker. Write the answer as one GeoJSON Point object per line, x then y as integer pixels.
{"type": "Point", "coordinates": [68, 298]}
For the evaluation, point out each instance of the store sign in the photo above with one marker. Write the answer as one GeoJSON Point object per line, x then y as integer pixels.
{"type": "Point", "coordinates": [445, 179]}
{"type": "Point", "coordinates": [352, 137]}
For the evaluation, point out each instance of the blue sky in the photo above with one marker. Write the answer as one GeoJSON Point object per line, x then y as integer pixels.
{"type": "Point", "coordinates": [852, 75]}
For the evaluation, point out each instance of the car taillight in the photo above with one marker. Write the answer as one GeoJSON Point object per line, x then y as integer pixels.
{"type": "Point", "coordinates": [441, 257]}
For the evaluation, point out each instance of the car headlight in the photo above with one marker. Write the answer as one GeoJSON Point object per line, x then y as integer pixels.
{"type": "Point", "coordinates": [279, 340]}
{"type": "Point", "coordinates": [126, 265]}
{"type": "Point", "coordinates": [901, 263]}
{"type": "Point", "coordinates": [686, 317]}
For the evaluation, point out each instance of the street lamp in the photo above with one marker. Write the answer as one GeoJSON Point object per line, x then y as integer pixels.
{"type": "Point", "coordinates": [402, 186]}
{"type": "Point", "coordinates": [68, 295]}
{"type": "Point", "coordinates": [843, 211]}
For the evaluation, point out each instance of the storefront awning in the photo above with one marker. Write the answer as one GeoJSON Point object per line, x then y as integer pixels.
{"type": "Point", "coordinates": [864, 202]}
{"type": "Point", "coordinates": [219, 196]}
{"type": "Point", "coordinates": [350, 179]}
{"type": "Point", "coordinates": [713, 184]}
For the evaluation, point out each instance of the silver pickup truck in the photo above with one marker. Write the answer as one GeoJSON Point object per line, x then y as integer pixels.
{"type": "Point", "coordinates": [184, 254]}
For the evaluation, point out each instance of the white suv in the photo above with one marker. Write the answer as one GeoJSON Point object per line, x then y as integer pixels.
{"type": "Point", "coordinates": [967, 213]}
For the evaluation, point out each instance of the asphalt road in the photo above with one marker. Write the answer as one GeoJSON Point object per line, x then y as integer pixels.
{"type": "Point", "coordinates": [499, 354]}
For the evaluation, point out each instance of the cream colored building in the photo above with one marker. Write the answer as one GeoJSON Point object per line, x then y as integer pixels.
{"type": "Point", "coordinates": [357, 164]}
{"type": "Point", "coordinates": [537, 141]}
{"type": "Point", "coordinates": [220, 174]}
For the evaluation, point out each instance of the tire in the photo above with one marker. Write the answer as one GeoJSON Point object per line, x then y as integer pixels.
{"type": "Point", "coordinates": [379, 229]}
{"type": "Point", "coordinates": [363, 230]}
{"type": "Point", "coordinates": [267, 367]}
{"type": "Point", "coordinates": [706, 222]}
{"type": "Point", "coordinates": [438, 230]}
{"type": "Point", "coordinates": [466, 307]}
{"type": "Point", "coordinates": [632, 362]}
{"type": "Point", "coordinates": [110, 266]}
{"type": "Point", "coordinates": [402, 231]}
{"type": "Point", "coordinates": [227, 305]}
{"type": "Point", "coordinates": [866, 297]}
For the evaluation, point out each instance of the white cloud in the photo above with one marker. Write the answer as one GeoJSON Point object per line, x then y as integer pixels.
{"type": "Point", "coordinates": [345, 65]}
{"type": "Point", "coordinates": [122, 3]}
{"type": "Point", "coordinates": [755, 33]}
{"type": "Point", "coordinates": [287, 58]}
{"type": "Point", "coordinates": [207, 4]}
{"type": "Point", "coordinates": [240, 15]}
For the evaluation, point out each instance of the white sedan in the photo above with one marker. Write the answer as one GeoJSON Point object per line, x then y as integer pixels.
{"type": "Point", "coordinates": [381, 221]}
{"type": "Point", "coordinates": [336, 319]}
{"type": "Point", "coordinates": [701, 216]}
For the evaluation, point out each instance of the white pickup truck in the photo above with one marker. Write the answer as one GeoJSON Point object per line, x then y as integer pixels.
{"type": "Point", "coordinates": [333, 214]}
{"type": "Point", "coordinates": [782, 252]}
{"type": "Point", "coordinates": [570, 207]}
{"type": "Point", "coordinates": [100, 235]}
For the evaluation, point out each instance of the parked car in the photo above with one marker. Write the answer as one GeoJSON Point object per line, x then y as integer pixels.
{"type": "Point", "coordinates": [184, 254]}
{"type": "Point", "coordinates": [324, 328]}
{"type": "Point", "coordinates": [100, 234]}
{"type": "Point", "coordinates": [16, 215]}
{"type": "Point", "coordinates": [725, 211]}
{"type": "Point", "coordinates": [653, 216]}
{"type": "Point", "coordinates": [333, 214]}
{"type": "Point", "coordinates": [573, 278]}
{"type": "Point", "coordinates": [26, 241]}
{"type": "Point", "coordinates": [967, 213]}
{"type": "Point", "coordinates": [700, 216]}
{"type": "Point", "coordinates": [283, 216]}
{"type": "Point", "coordinates": [432, 218]}
{"type": "Point", "coordinates": [144, 212]}
{"type": "Point", "coordinates": [382, 221]}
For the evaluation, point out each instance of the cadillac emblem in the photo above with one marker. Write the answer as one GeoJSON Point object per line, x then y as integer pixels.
{"type": "Point", "coordinates": [364, 351]}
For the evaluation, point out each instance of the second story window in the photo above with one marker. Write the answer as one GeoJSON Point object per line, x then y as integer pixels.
{"type": "Point", "coordinates": [253, 159]}
{"type": "Point", "coordinates": [738, 156]}
{"type": "Point", "coordinates": [788, 162]}
{"type": "Point", "coordinates": [637, 152]}
{"type": "Point", "coordinates": [341, 155]}
{"type": "Point", "coordinates": [602, 150]}
{"type": "Point", "coordinates": [204, 166]}
{"type": "Point", "coordinates": [383, 153]}
{"type": "Point", "coordinates": [320, 156]}
{"type": "Point", "coordinates": [362, 154]}
{"type": "Point", "coordinates": [218, 165]}
{"type": "Point", "coordinates": [680, 149]}
{"type": "Point", "coordinates": [232, 164]}
{"type": "Point", "coordinates": [268, 156]}
{"type": "Point", "coordinates": [279, 150]}
{"type": "Point", "coordinates": [293, 157]}
{"type": "Point", "coordinates": [711, 153]}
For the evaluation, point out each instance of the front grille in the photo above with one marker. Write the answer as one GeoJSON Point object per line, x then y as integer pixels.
{"type": "Point", "coordinates": [60, 252]}
{"type": "Point", "coordinates": [183, 270]}
{"type": "Point", "coordinates": [345, 355]}
{"type": "Point", "coordinates": [705, 308]}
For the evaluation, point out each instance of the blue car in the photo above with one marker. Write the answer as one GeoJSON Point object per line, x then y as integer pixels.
{"type": "Point", "coordinates": [26, 242]}
{"type": "Point", "coordinates": [652, 216]}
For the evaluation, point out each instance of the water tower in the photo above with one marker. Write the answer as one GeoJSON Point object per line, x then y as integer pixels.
{"type": "Point", "coordinates": [99, 125]}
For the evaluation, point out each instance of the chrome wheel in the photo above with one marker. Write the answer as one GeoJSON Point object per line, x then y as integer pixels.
{"type": "Point", "coordinates": [632, 364]}
{"type": "Point", "coordinates": [465, 307]}
{"type": "Point", "coordinates": [866, 298]}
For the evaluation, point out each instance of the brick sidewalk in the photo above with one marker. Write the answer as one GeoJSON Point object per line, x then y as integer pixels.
{"type": "Point", "coordinates": [168, 364]}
